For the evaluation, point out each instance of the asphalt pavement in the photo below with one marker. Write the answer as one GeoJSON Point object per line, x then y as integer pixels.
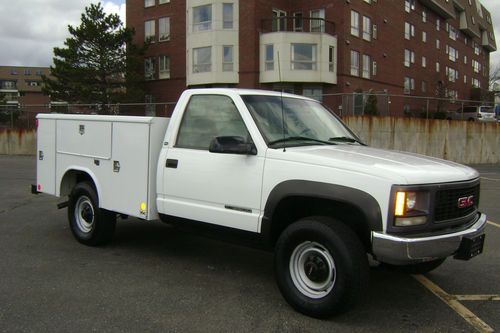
{"type": "Point", "coordinates": [155, 278]}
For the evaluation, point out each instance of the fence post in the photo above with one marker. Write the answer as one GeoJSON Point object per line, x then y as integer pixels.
{"type": "Point", "coordinates": [462, 111]}
{"type": "Point", "coordinates": [12, 118]}
{"type": "Point", "coordinates": [427, 109]}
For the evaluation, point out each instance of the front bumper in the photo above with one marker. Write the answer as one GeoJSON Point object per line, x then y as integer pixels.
{"type": "Point", "coordinates": [400, 250]}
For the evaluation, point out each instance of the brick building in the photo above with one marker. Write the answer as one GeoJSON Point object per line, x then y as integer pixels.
{"type": "Point", "coordinates": [23, 85]}
{"type": "Point", "coordinates": [316, 47]}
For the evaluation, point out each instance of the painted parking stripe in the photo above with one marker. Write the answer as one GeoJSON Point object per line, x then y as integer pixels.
{"type": "Point", "coordinates": [494, 224]}
{"type": "Point", "coordinates": [493, 179]}
{"type": "Point", "coordinates": [477, 297]}
{"type": "Point", "coordinates": [453, 303]}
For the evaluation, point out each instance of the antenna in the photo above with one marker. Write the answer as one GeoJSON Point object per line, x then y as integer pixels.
{"type": "Point", "coordinates": [281, 100]}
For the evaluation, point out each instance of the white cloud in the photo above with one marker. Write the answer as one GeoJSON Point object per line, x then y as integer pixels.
{"type": "Point", "coordinates": [30, 29]}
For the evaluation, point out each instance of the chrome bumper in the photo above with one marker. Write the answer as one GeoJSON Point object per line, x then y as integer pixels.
{"type": "Point", "coordinates": [400, 250]}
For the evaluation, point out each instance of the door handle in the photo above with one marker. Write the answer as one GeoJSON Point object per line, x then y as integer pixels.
{"type": "Point", "coordinates": [171, 163]}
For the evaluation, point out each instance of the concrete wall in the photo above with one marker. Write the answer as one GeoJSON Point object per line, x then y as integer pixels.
{"type": "Point", "coordinates": [17, 142]}
{"type": "Point", "coordinates": [459, 141]}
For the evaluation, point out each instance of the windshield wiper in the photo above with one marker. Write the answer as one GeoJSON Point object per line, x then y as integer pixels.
{"type": "Point", "coordinates": [299, 138]}
{"type": "Point", "coordinates": [346, 139]}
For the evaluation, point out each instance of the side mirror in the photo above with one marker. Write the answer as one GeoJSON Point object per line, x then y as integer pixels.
{"type": "Point", "coordinates": [232, 145]}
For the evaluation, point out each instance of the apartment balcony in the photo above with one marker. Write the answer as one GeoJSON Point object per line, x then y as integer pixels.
{"type": "Point", "coordinates": [298, 50]}
{"type": "Point", "coordinates": [467, 26]}
{"type": "Point", "coordinates": [488, 40]}
{"type": "Point", "coordinates": [444, 8]}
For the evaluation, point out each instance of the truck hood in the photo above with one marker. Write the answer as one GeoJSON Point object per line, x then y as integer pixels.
{"type": "Point", "coordinates": [400, 167]}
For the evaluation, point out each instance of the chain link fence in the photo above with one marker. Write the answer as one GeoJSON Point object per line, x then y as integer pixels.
{"type": "Point", "coordinates": [352, 104]}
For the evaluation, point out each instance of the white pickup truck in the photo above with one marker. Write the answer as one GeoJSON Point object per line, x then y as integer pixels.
{"type": "Point", "coordinates": [278, 167]}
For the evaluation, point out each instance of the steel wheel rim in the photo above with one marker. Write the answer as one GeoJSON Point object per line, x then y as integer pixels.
{"type": "Point", "coordinates": [84, 214]}
{"type": "Point", "coordinates": [312, 270]}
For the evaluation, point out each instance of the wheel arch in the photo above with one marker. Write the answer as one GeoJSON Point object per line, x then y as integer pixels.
{"type": "Point", "coordinates": [294, 199]}
{"type": "Point", "coordinates": [75, 175]}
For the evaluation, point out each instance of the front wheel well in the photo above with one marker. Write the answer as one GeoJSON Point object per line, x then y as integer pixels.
{"type": "Point", "coordinates": [293, 208]}
{"type": "Point", "coordinates": [73, 177]}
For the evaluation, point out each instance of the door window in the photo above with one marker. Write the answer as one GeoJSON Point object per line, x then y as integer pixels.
{"type": "Point", "coordinates": [209, 116]}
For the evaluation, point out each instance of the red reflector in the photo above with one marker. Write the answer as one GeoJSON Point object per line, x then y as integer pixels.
{"type": "Point", "coordinates": [39, 187]}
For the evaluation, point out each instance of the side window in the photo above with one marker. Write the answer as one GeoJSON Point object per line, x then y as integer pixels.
{"type": "Point", "coordinates": [209, 116]}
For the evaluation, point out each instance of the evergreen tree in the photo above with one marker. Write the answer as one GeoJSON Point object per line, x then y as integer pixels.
{"type": "Point", "coordinates": [99, 63]}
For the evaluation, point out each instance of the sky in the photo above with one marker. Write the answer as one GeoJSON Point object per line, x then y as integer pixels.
{"type": "Point", "coordinates": [30, 29]}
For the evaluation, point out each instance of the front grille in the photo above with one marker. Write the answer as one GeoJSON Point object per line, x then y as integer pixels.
{"type": "Point", "coordinates": [447, 203]}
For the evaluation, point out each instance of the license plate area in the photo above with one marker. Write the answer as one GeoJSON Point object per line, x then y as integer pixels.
{"type": "Point", "coordinates": [470, 247]}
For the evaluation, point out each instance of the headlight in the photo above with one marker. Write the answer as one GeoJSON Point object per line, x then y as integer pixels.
{"type": "Point", "coordinates": [411, 208]}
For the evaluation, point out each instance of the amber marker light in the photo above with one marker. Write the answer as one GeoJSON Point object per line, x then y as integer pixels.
{"type": "Point", "coordinates": [399, 210]}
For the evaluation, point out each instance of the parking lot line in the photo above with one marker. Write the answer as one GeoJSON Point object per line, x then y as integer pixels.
{"type": "Point", "coordinates": [494, 224]}
{"type": "Point", "coordinates": [477, 297]}
{"type": "Point", "coordinates": [453, 303]}
{"type": "Point", "coordinates": [493, 179]}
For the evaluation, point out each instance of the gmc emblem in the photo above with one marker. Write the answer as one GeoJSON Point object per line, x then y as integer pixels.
{"type": "Point", "coordinates": [465, 202]}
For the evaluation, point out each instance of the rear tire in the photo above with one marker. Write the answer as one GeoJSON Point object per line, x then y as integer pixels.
{"type": "Point", "coordinates": [89, 224]}
{"type": "Point", "coordinates": [321, 266]}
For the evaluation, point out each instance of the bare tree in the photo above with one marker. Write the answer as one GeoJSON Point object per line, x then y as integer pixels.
{"type": "Point", "coordinates": [494, 82]}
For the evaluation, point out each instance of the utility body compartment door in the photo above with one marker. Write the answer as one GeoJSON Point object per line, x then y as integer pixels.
{"type": "Point", "coordinates": [46, 156]}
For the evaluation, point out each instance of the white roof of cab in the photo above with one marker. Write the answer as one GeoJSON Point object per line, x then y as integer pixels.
{"type": "Point", "coordinates": [238, 91]}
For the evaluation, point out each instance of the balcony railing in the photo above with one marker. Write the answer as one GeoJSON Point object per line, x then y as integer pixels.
{"type": "Point", "coordinates": [298, 24]}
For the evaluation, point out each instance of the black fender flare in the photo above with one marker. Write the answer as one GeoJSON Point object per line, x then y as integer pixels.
{"type": "Point", "coordinates": [359, 199]}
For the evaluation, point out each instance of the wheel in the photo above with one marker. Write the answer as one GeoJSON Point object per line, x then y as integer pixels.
{"type": "Point", "coordinates": [89, 224]}
{"type": "Point", "coordinates": [418, 268]}
{"type": "Point", "coordinates": [321, 266]}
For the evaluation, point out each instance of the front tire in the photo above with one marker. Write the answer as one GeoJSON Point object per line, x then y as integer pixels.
{"type": "Point", "coordinates": [320, 266]}
{"type": "Point", "coordinates": [89, 224]}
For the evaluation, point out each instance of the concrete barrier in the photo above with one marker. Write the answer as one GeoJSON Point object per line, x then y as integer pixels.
{"type": "Point", "coordinates": [17, 142]}
{"type": "Point", "coordinates": [458, 141]}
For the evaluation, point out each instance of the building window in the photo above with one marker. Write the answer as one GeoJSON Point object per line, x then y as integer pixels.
{"type": "Point", "coordinates": [438, 24]}
{"type": "Point", "coordinates": [424, 36]}
{"type": "Point", "coordinates": [424, 62]}
{"type": "Point", "coordinates": [354, 63]}
{"type": "Point", "coordinates": [161, 2]}
{"type": "Point", "coordinates": [374, 31]}
{"type": "Point", "coordinates": [409, 5]}
{"type": "Point", "coordinates": [409, 30]}
{"type": "Point", "coordinates": [164, 71]}
{"type": "Point", "coordinates": [227, 60]}
{"type": "Point", "coordinates": [438, 44]}
{"type": "Point", "coordinates": [202, 60]}
{"type": "Point", "coordinates": [298, 24]}
{"type": "Point", "coordinates": [313, 92]}
{"type": "Point", "coordinates": [202, 18]}
{"type": "Point", "coordinates": [38, 72]}
{"type": "Point", "coordinates": [409, 85]}
{"type": "Point", "coordinates": [409, 58]}
{"type": "Point", "coordinates": [465, 79]}
{"type": "Point", "coordinates": [452, 32]}
{"type": "Point", "coordinates": [228, 16]}
{"type": "Point", "coordinates": [331, 59]}
{"type": "Point", "coordinates": [367, 28]}
{"type": "Point", "coordinates": [164, 28]}
{"type": "Point", "coordinates": [27, 72]}
{"type": "Point", "coordinates": [452, 54]}
{"type": "Point", "coordinates": [374, 68]}
{"type": "Point", "coordinates": [304, 56]}
{"type": "Point", "coordinates": [476, 66]}
{"type": "Point", "coordinates": [317, 20]}
{"type": "Point", "coordinates": [424, 16]}
{"type": "Point", "coordinates": [149, 3]}
{"type": "Point", "coordinates": [354, 23]}
{"type": "Point", "coordinates": [424, 86]}
{"type": "Point", "coordinates": [367, 63]}
{"type": "Point", "coordinates": [149, 68]}
{"type": "Point", "coordinates": [437, 67]}
{"type": "Point", "coordinates": [269, 57]}
{"type": "Point", "coordinates": [149, 31]}
{"type": "Point", "coordinates": [279, 20]}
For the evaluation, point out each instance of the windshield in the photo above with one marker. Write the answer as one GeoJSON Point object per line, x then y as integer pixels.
{"type": "Point", "coordinates": [305, 122]}
{"type": "Point", "coordinates": [487, 109]}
